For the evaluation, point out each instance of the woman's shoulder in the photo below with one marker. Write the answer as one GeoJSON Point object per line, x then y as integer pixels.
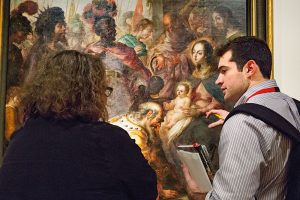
{"type": "Point", "coordinates": [74, 125]}
{"type": "Point", "coordinates": [112, 130]}
{"type": "Point", "coordinates": [107, 126]}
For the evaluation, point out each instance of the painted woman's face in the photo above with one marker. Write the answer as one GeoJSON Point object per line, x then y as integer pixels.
{"type": "Point", "coordinates": [218, 20]}
{"type": "Point", "coordinates": [198, 53]}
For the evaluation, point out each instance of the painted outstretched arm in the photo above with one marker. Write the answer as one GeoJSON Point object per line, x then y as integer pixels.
{"type": "Point", "coordinates": [128, 56]}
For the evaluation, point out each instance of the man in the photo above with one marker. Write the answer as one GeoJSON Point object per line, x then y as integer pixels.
{"type": "Point", "coordinates": [125, 71]}
{"type": "Point", "coordinates": [141, 126]}
{"type": "Point", "coordinates": [253, 155]}
{"type": "Point", "coordinates": [51, 31]}
{"type": "Point", "coordinates": [18, 30]}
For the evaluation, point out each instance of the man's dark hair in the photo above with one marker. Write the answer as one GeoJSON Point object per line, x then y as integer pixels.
{"type": "Point", "coordinates": [99, 21]}
{"type": "Point", "coordinates": [104, 4]}
{"type": "Point", "coordinates": [19, 23]}
{"type": "Point", "coordinates": [227, 15]}
{"type": "Point", "coordinates": [47, 20]}
{"type": "Point", "coordinates": [249, 48]}
{"type": "Point", "coordinates": [156, 84]}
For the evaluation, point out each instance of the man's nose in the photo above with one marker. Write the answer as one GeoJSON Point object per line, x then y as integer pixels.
{"type": "Point", "coordinates": [219, 80]}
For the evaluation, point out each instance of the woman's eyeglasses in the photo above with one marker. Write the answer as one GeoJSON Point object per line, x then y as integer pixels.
{"type": "Point", "coordinates": [108, 91]}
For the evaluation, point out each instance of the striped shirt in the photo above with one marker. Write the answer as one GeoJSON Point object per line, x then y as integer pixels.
{"type": "Point", "coordinates": [253, 156]}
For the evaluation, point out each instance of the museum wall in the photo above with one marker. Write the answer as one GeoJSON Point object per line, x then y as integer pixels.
{"type": "Point", "coordinates": [286, 46]}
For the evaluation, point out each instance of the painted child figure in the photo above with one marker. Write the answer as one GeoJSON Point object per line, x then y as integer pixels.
{"type": "Point", "coordinates": [176, 106]}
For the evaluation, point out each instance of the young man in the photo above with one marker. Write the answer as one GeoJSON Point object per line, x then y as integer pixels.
{"type": "Point", "coordinates": [253, 156]}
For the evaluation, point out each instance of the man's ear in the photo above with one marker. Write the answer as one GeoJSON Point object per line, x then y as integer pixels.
{"type": "Point", "coordinates": [250, 68]}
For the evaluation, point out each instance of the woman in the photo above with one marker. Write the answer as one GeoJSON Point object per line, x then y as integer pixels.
{"type": "Point", "coordinates": [63, 150]}
{"type": "Point", "coordinates": [201, 54]}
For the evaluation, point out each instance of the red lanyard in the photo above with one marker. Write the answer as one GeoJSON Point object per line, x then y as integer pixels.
{"type": "Point", "coordinates": [266, 90]}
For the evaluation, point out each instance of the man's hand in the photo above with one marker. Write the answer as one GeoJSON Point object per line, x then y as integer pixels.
{"type": "Point", "coordinates": [191, 112]}
{"type": "Point", "coordinates": [192, 185]}
{"type": "Point", "coordinates": [221, 114]}
{"type": "Point", "coordinates": [138, 49]}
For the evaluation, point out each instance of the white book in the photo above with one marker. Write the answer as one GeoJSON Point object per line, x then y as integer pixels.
{"type": "Point", "coordinates": [196, 168]}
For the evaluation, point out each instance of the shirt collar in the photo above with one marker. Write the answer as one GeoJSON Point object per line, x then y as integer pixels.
{"type": "Point", "coordinates": [255, 88]}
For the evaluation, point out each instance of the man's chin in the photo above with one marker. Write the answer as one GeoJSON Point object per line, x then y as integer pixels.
{"type": "Point", "coordinates": [227, 98]}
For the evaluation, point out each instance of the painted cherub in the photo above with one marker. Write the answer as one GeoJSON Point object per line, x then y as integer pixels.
{"type": "Point", "coordinates": [176, 106]}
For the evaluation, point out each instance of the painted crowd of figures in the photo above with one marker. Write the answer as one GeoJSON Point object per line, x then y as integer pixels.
{"type": "Point", "coordinates": [162, 84]}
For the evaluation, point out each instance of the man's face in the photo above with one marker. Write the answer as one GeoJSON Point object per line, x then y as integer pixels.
{"type": "Point", "coordinates": [20, 36]}
{"type": "Point", "coordinates": [146, 33]}
{"type": "Point", "coordinates": [232, 81]}
{"type": "Point", "coordinates": [158, 63]}
{"type": "Point", "coordinates": [108, 29]}
{"type": "Point", "coordinates": [198, 23]}
{"type": "Point", "coordinates": [60, 31]}
{"type": "Point", "coordinates": [156, 120]}
{"type": "Point", "coordinates": [219, 21]}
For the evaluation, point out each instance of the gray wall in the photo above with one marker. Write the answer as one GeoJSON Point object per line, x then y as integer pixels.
{"type": "Point", "coordinates": [287, 46]}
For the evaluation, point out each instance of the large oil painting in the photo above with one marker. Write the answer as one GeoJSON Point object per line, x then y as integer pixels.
{"type": "Point", "coordinates": [160, 66]}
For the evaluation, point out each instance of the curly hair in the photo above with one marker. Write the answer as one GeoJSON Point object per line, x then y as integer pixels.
{"type": "Point", "coordinates": [108, 5]}
{"type": "Point", "coordinates": [71, 85]}
{"type": "Point", "coordinates": [142, 24]}
{"type": "Point", "coordinates": [187, 85]}
{"type": "Point", "coordinates": [47, 20]}
{"type": "Point", "coordinates": [100, 21]}
{"type": "Point", "coordinates": [19, 23]}
{"type": "Point", "coordinates": [28, 6]}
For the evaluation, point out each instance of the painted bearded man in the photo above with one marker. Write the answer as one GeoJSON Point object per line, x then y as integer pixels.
{"type": "Point", "coordinates": [142, 126]}
{"type": "Point", "coordinates": [51, 31]}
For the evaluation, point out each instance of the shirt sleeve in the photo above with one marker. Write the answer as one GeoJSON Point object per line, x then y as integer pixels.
{"type": "Point", "coordinates": [240, 160]}
{"type": "Point", "coordinates": [133, 170]}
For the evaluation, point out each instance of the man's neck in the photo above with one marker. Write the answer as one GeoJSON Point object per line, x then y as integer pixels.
{"type": "Point", "coordinates": [257, 81]}
{"type": "Point", "coordinates": [106, 43]}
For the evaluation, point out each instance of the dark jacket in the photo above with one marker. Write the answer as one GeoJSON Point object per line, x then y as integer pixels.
{"type": "Point", "coordinates": [70, 160]}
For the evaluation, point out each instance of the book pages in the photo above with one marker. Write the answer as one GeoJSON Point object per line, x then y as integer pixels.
{"type": "Point", "coordinates": [196, 168]}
